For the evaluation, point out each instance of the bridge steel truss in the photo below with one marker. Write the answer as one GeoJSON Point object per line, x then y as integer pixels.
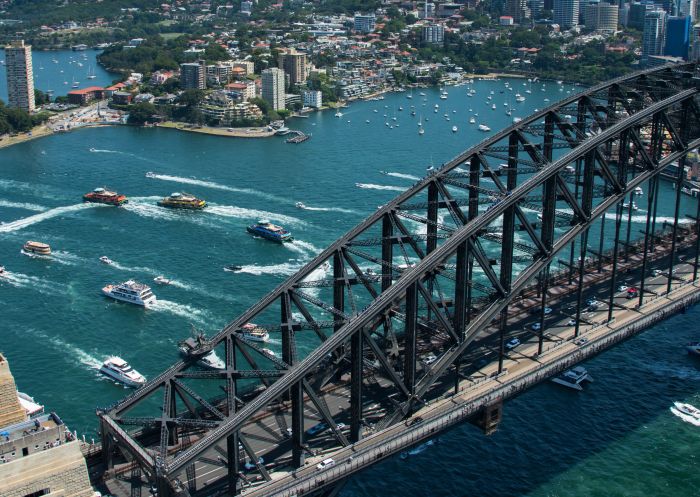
{"type": "Point", "coordinates": [406, 297]}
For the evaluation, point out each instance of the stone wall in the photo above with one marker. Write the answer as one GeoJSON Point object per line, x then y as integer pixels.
{"type": "Point", "coordinates": [11, 411]}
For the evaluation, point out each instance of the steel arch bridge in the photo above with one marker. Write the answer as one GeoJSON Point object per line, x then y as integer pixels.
{"type": "Point", "coordinates": [414, 297]}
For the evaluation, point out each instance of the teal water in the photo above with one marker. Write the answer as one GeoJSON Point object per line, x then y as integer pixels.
{"type": "Point", "coordinates": [59, 76]}
{"type": "Point", "coordinates": [617, 438]}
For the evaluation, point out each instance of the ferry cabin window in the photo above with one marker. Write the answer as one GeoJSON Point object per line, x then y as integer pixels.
{"type": "Point", "coordinates": [39, 493]}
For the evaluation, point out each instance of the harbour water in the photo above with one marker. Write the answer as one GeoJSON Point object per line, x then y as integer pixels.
{"type": "Point", "coordinates": [57, 70]}
{"type": "Point", "coordinates": [615, 438]}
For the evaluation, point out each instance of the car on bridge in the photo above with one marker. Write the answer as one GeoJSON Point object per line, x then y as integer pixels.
{"type": "Point", "coordinates": [622, 288]}
{"type": "Point", "coordinates": [571, 322]}
{"type": "Point", "coordinates": [326, 463]}
{"type": "Point", "coordinates": [632, 293]}
{"type": "Point", "coordinates": [317, 428]}
{"type": "Point", "coordinates": [512, 343]}
{"type": "Point", "coordinates": [429, 359]}
{"type": "Point", "coordinates": [536, 326]}
{"type": "Point", "coordinates": [537, 310]}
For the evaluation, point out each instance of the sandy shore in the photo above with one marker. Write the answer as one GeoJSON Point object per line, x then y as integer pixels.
{"type": "Point", "coordinates": [232, 132]}
{"type": "Point", "coordinates": [36, 132]}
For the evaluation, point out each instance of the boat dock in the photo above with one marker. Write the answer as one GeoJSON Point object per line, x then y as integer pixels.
{"type": "Point", "coordinates": [298, 137]}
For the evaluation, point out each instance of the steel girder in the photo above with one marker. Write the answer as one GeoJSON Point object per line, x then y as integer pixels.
{"type": "Point", "coordinates": [423, 270]}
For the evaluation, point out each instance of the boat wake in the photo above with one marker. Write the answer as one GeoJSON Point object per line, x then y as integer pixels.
{"type": "Point", "coordinates": [135, 269]}
{"type": "Point", "coordinates": [66, 258]}
{"type": "Point", "coordinates": [372, 186]}
{"type": "Point", "coordinates": [636, 218]}
{"type": "Point", "coordinates": [285, 269]}
{"type": "Point", "coordinates": [135, 156]}
{"type": "Point", "coordinates": [22, 205]}
{"type": "Point", "coordinates": [20, 280]}
{"type": "Point", "coordinates": [86, 359]}
{"type": "Point", "coordinates": [201, 291]}
{"type": "Point", "coordinates": [253, 214]}
{"type": "Point", "coordinates": [215, 186]}
{"type": "Point", "coordinates": [181, 310]}
{"type": "Point", "coordinates": [141, 207]}
{"type": "Point", "coordinates": [304, 248]}
{"type": "Point", "coordinates": [37, 218]}
{"type": "Point", "coordinates": [403, 176]}
{"type": "Point", "coordinates": [685, 417]}
{"type": "Point", "coordinates": [329, 209]}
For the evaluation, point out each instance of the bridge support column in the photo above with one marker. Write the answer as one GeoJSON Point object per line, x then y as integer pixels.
{"type": "Point", "coordinates": [356, 356]}
{"type": "Point", "coordinates": [652, 200]}
{"type": "Point", "coordinates": [233, 464]}
{"type": "Point", "coordinates": [107, 445]}
{"type": "Point", "coordinates": [616, 248]}
{"type": "Point", "coordinates": [489, 417]}
{"type": "Point", "coordinates": [679, 185]}
{"type": "Point", "coordinates": [297, 395]}
{"type": "Point", "coordinates": [409, 366]}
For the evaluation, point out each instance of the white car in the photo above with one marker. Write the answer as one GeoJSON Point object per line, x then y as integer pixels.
{"type": "Point", "coordinates": [512, 343]}
{"type": "Point", "coordinates": [571, 322]}
{"type": "Point", "coordinates": [326, 463]}
{"type": "Point", "coordinates": [429, 359]}
{"type": "Point", "coordinates": [536, 326]}
{"type": "Point", "coordinates": [622, 288]}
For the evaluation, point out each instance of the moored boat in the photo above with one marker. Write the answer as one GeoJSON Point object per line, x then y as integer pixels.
{"type": "Point", "coordinates": [104, 196]}
{"type": "Point", "coordinates": [36, 248]}
{"type": "Point", "coordinates": [270, 231]}
{"type": "Point", "coordinates": [573, 378]}
{"type": "Point", "coordinates": [254, 333]}
{"type": "Point", "coordinates": [179, 200]}
{"type": "Point", "coordinates": [120, 370]}
{"type": "Point", "coordinates": [131, 292]}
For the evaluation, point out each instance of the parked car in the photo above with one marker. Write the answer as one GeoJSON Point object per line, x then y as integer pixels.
{"type": "Point", "coordinates": [512, 343]}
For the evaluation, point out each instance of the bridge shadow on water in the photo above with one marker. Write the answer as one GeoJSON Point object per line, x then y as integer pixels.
{"type": "Point", "coordinates": [550, 430]}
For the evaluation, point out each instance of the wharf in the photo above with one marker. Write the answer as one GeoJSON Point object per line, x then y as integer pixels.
{"type": "Point", "coordinates": [298, 137]}
{"type": "Point", "coordinates": [230, 132]}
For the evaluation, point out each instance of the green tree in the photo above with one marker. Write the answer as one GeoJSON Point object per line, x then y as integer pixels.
{"type": "Point", "coordinates": [141, 113]}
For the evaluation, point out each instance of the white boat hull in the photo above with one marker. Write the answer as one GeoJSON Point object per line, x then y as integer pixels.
{"type": "Point", "coordinates": [136, 301]}
{"type": "Point", "coordinates": [121, 379]}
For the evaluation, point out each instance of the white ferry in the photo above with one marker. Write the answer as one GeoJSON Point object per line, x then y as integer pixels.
{"type": "Point", "coordinates": [132, 292]}
{"type": "Point", "coordinates": [120, 370]}
{"type": "Point", "coordinates": [254, 333]}
{"type": "Point", "coordinates": [573, 378]}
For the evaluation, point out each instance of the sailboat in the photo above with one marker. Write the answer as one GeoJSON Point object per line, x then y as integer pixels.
{"type": "Point", "coordinates": [420, 126]}
{"type": "Point", "coordinates": [91, 73]}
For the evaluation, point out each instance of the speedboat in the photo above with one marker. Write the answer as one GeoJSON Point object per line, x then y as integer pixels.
{"type": "Point", "coordinates": [688, 410]}
{"type": "Point", "coordinates": [178, 200]}
{"type": "Point", "coordinates": [131, 292]}
{"type": "Point", "coordinates": [573, 378]}
{"type": "Point", "coordinates": [210, 360]}
{"type": "Point", "coordinates": [232, 268]}
{"type": "Point", "coordinates": [638, 191]}
{"type": "Point", "coordinates": [454, 129]}
{"type": "Point", "coordinates": [120, 370]}
{"type": "Point", "coordinates": [162, 280]}
{"type": "Point", "coordinates": [631, 206]}
{"type": "Point", "coordinates": [38, 248]}
{"type": "Point", "coordinates": [104, 196]}
{"type": "Point", "coordinates": [338, 114]}
{"type": "Point", "coordinates": [483, 127]}
{"type": "Point", "coordinates": [300, 205]}
{"type": "Point", "coordinates": [693, 348]}
{"type": "Point", "coordinates": [270, 231]}
{"type": "Point", "coordinates": [472, 120]}
{"type": "Point", "coordinates": [254, 333]}
{"type": "Point", "coordinates": [106, 260]}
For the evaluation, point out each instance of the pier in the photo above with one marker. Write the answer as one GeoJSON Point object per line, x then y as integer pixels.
{"type": "Point", "coordinates": [298, 137]}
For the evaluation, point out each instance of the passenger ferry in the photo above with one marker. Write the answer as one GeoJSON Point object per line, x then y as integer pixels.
{"type": "Point", "coordinates": [182, 201]}
{"type": "Point", "coordinates": [132, 292]}
{"type": "Point", "coordinates": [573, 378]}
{"type": "Point", "coordinates": [120, 370]}
{"type": "Point", "coordinates": [254, 333]}
{"type": "Point", "coordinates": [103, 196]}
{"type": "Point", "coordinates": [270, 231]}
{"type": "Point", "coordinates": [36, 248]}
{"type": "Point", "coordinates": [210, 360]}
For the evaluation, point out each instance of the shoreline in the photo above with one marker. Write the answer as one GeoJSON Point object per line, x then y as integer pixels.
{"type": "Point", "coordinates": [36, 132]}
{"type": "Point", "coordinates": [252, 132]}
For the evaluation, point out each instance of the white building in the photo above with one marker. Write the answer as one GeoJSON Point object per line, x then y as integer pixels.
{"type": "Point", "coordinates": [566, 13]}
{"type": "Point", "coordinates": [273, 88]}
{"type": "Point", "coordinates": [433, 34]}
{"type": "Point", "coordinates": [313, 98]}
{"type": "Point", "coordinates": [601, 17]}
{"type": "Point", "coordinates": [365, 23]}
{"type": "Point", "coordinates": [20, 76]}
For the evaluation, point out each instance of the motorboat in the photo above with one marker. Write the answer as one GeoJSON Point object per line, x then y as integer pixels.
{"type": "Point", "coordinates": [106, 260]}
{"type": "Point", "coordinates": [179, 200]}
{"type": "Point", "coordinates": [483, 127]}
{"type": "Point", "coordinates": [120, 370]}
{"type": "Point", "coordinates": [104, 196]}
{"type": "Point", "coordinates": [421, 131]}
{"type": "Point", "coordinates": [162, 280]}
{"type": "Point", "coordinates": [270, 231]}
{"type": "Point", "coordinates": [300, 205]}
{"type": "Point", "coordinates": [36, 248]}
{"type": "Point", "coordinates": [631, 206]}
{"type": "Point", "coordinates": [131, 292]}
{"type": "Point", "coordinates": [232, 268]}
{"type": "Point", "coordinates": [638, 191]}
{"type": "Point", "coordinates": [454, 129]}
{"type": "Point", "coordinates": [688, 410]}
{"type": "Point", "coordinates": [573, 378]}
{"type": "Point", "coordinates": [254, 333]}
{"type": "Point", "coordinates": [2, 270]}
{"type": "Point", "coordinates": [338, 114]}
{"type": "Point", "coordinates": [693, 348]}
{"type": "Point", "coordinates": [189, 348]}
{"type": "Point", "coordinates": [472, 120]}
